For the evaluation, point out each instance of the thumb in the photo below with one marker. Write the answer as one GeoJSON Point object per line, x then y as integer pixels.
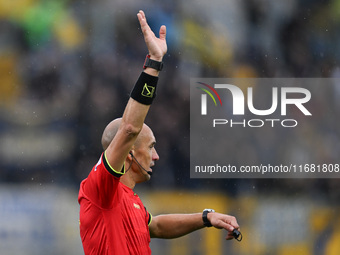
{"type": "Point", "coordinates": [162, 32]}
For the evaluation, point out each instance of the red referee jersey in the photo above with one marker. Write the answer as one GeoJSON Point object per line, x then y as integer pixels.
{"type": "Point", "coordinates": [113, 219]}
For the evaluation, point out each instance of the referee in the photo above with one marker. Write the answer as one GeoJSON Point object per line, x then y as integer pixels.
{"type": "Point", "coordinates": [113, 219]}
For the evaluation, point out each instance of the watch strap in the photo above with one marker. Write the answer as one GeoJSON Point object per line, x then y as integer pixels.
{"type": "Point", "coordinates": [206, 222]}
{"type": "Point", "coordinates": [152, 63]}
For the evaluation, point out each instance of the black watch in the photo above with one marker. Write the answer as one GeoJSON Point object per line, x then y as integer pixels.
{"type": "Point", "coordinates": [152, 64]}
{"type": "Point", "coordinates": [206, 222]}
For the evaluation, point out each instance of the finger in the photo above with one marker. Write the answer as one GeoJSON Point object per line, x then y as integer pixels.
{"type": "Point", "coordinates": [229, 236]}
{"type": "Point", "coordinates": [142, 13]}
{"type": "Point", "coordinates": [235, 225]}
{"type": "Point", "coordinates": [143, 24]}
{"type": "Point", "coordinates": [233, 222]}
{"type": "Point", "coordinates": [226, 226]}
{"type": "Point", "coordinates": [162, 32]}
{"type": "Point", "coordinates": [141, 17]}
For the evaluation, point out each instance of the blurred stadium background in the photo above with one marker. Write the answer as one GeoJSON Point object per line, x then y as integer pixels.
{"type": "Point", "coordinates": [66, 69]}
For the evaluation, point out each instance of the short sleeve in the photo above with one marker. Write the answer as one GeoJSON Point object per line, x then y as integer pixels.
{"type": "Point", "coordinates": [101, 185]}
{"type": "Point", "coordinates": [148, 216]}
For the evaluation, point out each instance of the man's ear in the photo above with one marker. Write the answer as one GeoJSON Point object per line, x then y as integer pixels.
{"type": "Point", "coordinates": [130, 155]}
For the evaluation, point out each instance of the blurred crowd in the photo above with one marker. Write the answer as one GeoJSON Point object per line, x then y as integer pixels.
{"type": "Point", "coordinates": [67, 67]}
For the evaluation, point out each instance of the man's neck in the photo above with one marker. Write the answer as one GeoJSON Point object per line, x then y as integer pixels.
{"type": "Point", "coordinates": [127, 180]}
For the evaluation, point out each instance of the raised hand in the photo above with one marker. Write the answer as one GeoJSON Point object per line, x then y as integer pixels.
{"type": "Point", "coordinates": [156, 45]}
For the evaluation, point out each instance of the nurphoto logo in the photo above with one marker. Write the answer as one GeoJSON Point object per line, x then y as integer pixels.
{"type": "Point", "coordinates": [295, 96]}
{"type": "Point", "coordinates": [259, 127]}
{"type": "Point", "coordinates": [204, 97]}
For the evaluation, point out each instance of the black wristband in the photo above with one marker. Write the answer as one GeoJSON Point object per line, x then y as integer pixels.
{"type": "Point", "coordinates": [144, 90]}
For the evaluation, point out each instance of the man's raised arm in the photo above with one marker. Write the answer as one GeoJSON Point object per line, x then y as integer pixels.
{"type": "Point", "coordinates": [141, 96]}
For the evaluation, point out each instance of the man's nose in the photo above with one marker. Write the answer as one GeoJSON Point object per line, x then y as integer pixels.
{"type": "Point", "coordinates": [155, 156]}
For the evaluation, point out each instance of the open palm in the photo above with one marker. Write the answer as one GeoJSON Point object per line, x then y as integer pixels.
{"type": "Point", "coordinates": [157, 46]}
